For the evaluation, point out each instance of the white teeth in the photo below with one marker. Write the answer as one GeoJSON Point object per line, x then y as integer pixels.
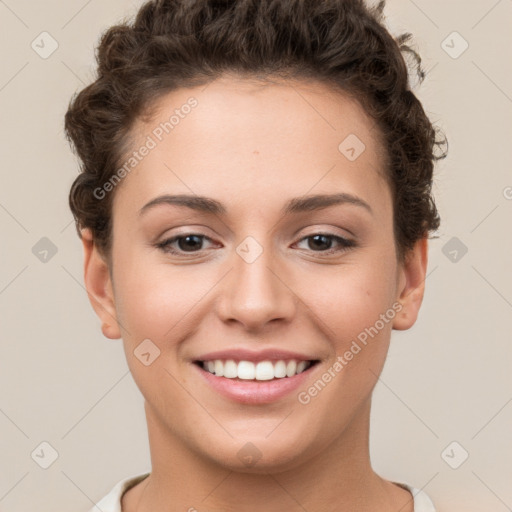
{"type": "Point", "coordinates": [219, 368]}
{"type": "Point", "coordinates": [301, 366]}
{"type": "Point", "coordinates": [230, 369]}
{"type": "Point", "coordinates": [280, 369]}
{"type": "Point", "coordinates": [291, 368]}
{"type": "Point", "coordinates": [247, 370]}
{"type": "Point", "coordinates": [264, 370]}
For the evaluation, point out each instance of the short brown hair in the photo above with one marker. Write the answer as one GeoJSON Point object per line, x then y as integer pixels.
{"type": "Point", "coordinates": [183, 43]}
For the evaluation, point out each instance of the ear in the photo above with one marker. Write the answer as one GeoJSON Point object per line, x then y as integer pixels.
{"type": "Point", "coordinates": [411, 285]}
{"type": "Point", "coordinates": [99, 286]}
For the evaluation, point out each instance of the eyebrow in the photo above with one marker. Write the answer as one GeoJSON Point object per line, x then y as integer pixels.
{"type": "Point", "coordinates": [293, 206]}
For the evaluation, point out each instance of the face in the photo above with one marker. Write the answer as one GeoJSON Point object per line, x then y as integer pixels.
{"type": "Point", "coordinates": [259, 272]}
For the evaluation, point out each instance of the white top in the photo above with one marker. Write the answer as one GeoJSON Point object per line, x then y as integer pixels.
{"type": "Point", "coordinates": [112, 501]}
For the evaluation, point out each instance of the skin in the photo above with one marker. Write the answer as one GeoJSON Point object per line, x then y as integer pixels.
{"type": "Point", "coordinates": [254, 147]}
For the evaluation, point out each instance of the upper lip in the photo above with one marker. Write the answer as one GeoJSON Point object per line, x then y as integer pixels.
{"type": "Point", "coordinates": [240, 354]}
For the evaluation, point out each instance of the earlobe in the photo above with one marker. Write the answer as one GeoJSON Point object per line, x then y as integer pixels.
{"type": "Point", "coordinates": [411, 285]}
{"type": "Point", "coordinates": [99, 286]}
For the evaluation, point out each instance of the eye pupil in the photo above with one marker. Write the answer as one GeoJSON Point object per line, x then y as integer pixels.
{"type": "Point", "coordinates": [188, 237]}
{"type": "Point", "coordinates": [322, 243]}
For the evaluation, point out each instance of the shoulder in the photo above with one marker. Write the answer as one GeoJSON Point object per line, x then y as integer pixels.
{"type": "Point", "coordinates": [112, 501]}
{"type": "Point", "coordinates": [422, 503]}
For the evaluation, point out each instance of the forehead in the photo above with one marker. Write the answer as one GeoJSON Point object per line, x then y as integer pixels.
{"type": "Point", "coordinates": [237, 133]}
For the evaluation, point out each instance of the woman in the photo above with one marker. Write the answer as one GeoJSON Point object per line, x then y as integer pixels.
{"type": "Point", "coordinates": [254, 206]}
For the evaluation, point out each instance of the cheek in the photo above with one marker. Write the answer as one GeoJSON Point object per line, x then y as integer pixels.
{"type": "Point", "coordinates": [155, 301]}
{"type": "Point", "coordinates": [352, 299]}
{"type": "Point", "coordinates": [157, 304]}
{"type": "Point", "coordinates": [355, 313]}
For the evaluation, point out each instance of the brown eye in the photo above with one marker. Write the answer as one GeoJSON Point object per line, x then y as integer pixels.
{"type": "Point", "coordinates": [187, 243]}
{"type": "Point", "coordinates": [323, 243]}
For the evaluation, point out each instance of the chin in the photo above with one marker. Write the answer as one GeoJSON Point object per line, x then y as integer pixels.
{"type": "Point", "coordinates": [260, 454]}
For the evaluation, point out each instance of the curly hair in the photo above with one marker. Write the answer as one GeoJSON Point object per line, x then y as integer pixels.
{"type": "Point", "coordinates": [175, 44]}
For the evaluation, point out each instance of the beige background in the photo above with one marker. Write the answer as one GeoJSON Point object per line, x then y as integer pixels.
{"type": "Point", "coordinates": [448, 379]}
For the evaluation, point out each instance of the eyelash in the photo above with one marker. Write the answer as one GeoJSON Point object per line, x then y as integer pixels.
{"type": "Point", "coordinates": [344, 242]}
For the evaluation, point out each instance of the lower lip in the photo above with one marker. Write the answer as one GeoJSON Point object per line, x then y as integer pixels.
{"type": "Point", "coordinates": [252, 391]}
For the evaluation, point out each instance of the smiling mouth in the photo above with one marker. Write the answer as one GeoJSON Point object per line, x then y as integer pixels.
{"type": "Point", "coordinates": [251, 371]}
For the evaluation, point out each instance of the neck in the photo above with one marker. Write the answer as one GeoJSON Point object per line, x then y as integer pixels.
{"type": "Point", "coordinates": [341, 474]}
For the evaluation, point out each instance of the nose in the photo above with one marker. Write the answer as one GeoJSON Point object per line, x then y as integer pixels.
{"type": "Point", "coordinates": [256, 293]}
